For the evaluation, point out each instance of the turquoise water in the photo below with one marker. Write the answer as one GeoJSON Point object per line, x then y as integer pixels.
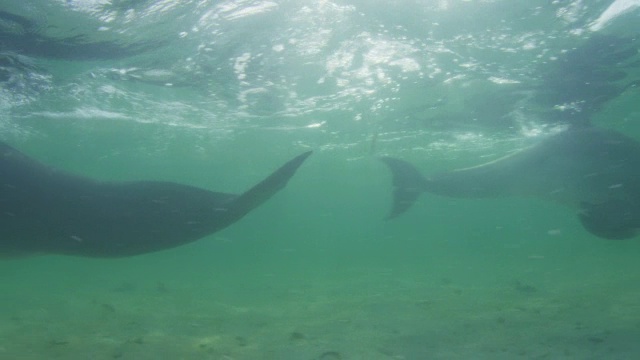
{"type": "Point", "coordinates": [219, 94]}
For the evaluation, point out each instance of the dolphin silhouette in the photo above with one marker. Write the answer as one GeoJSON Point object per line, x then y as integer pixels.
{"type": "Point", "coordinates": [594, 170]}
{"type": "Point", "coordinates": [44, 210]}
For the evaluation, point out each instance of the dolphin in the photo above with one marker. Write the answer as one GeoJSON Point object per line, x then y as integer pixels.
{"type": "Point", "coordinates": [44, 210]}
{"type": "Point", "coordinates": [593, 170]}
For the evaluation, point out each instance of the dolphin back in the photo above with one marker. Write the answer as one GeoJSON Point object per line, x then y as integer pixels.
{"type": "Point", "coordinates": [46, 211]}
{"type": "Point", "coordinates": [594, 170]}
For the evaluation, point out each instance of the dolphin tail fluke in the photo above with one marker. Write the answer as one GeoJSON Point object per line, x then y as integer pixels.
{"type": "Point", "coordinates": [265, 189]}
{"type": "Point", "coordinates": [408, 183]}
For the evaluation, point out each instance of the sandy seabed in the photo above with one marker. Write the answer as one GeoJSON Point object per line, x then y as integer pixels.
{"type": "Point", "coordinates": [349, 313]}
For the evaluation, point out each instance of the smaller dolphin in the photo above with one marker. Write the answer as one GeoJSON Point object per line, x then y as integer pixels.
{"type": "Point", "coordinates": [593, 170]}
{"type": "Point", "coordinates": [44, 210]}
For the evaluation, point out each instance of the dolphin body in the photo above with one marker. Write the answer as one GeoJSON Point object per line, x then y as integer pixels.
{"type": "Point", "coordinates": [46, 211]}
{"type": "Point", "coordinates": [593, 170]}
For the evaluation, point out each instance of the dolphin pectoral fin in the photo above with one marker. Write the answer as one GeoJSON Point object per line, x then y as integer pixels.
{"type": "Point", "coordinates": [408, 183]}
{"type": "Point", "coordinates": [265, 189]}
{"type": "Point", "coordinates": [613, 219]}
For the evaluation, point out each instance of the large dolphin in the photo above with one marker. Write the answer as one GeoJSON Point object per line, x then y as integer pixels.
{"type": "Point", "coordinates": [593, 170]}
{"type": "Point", "coordinates": [46, 211]}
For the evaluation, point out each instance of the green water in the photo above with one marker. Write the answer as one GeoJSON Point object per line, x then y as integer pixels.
{"type": "Point", "coordinates": [316, 272]}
